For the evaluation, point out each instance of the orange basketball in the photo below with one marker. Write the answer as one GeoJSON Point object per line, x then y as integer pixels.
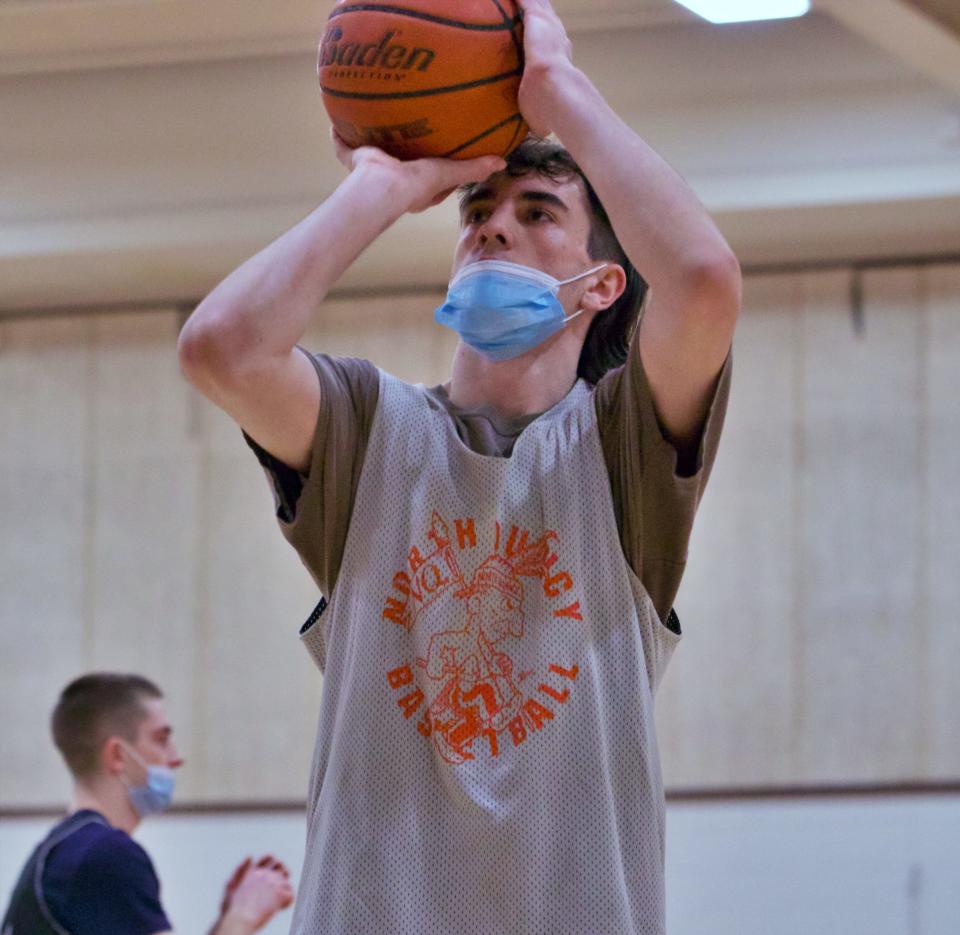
{"type": "Point", "coordinates": [425, 77]}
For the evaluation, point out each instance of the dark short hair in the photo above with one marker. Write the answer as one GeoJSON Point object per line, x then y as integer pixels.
{"type": "Point", "coordinates": [608, 340]}
{"type": "Point", "coordinates": [93, 708]}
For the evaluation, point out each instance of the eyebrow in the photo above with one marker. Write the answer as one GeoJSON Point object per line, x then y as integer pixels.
{"type": "Point", "coordinates": [535, 196]}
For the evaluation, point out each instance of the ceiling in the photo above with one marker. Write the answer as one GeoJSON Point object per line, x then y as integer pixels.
{"type": "Point", "coordinates": [148, 146]}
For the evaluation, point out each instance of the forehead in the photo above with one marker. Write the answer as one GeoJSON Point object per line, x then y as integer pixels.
{"type": "Point", "coordinates": [155, 719]}
{"type": "Point", "coordinates": [501, 187]}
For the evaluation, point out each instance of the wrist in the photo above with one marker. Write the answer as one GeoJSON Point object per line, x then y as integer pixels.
{"type": "Point", "coordinates": [553, 92]}
{"type": "Point", "coordinates": [380, 181]}
{"type": "Point", "coordinates": [576, 113]}
{"type": "Point", "coordinates": [553, 79]}
{"type": "Point", "coordinates": [233, 923]}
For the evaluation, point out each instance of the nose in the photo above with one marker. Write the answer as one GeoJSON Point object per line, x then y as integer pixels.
{"type": "Point", "coordinates": [175, 761]}
{"type": "Point", "coordinates": [494, 234]}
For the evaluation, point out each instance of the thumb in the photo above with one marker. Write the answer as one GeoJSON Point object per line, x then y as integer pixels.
{"type": "Point", "coordinates": [474, 170]}
{"type": "Point", "coordinates": [238, 874]}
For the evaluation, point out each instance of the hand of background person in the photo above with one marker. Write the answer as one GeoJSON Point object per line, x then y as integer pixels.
{"type": "Point", "coordinates": [421, 183]}
{"type": "Point", "coordinates": [547, 52]}
{"type": "Point", "coordinates": [253, 896]}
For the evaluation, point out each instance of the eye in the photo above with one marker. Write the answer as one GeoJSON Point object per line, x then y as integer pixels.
{"type": "Point", "coordinates": [476, 215]}
{"type": "Point", "coordinates": [538, 214]}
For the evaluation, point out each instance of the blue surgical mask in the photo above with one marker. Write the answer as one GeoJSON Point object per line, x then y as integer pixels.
{"type": "Point", "coordinates": [503, 309]}
{"type": "Point", "coordinates": [156, 794]}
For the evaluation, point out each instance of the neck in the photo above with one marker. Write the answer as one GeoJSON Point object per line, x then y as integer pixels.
{"type": "Point", "coordinates": [107, 795]}
{"type": "Point", "coordinates": [526, 385]}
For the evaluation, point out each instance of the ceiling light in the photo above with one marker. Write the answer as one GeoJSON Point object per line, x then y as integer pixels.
{"type": "Point", "coordinates": [742, 11]}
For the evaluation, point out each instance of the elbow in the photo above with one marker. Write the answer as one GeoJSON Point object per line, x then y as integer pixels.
{"type": "Point", "coordinates": [206, 350]}
{"type": "Point", "coordinates": [714, 286]}
{"type": "Point", "coordinates": [195, 352]}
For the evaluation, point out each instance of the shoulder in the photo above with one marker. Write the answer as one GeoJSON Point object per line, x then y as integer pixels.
{"type": "Point", "coordinates": [112, 852]}
{"type": "Point", "coordinates": [627, 414]}
{"type": "Point", "coordinates": [353, 377]}
{"type": "Point", "coordinates": [99, 881]}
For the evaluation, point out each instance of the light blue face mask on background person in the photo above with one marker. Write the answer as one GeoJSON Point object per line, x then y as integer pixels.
{"type": "Point", "coordinates": [503, 309]}
{"type": "Point", "coordinates": [156, 794]}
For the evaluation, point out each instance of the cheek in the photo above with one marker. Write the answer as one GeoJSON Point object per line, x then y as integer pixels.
{"type": "Point", "coordinates": [461, 249]}
{"type": "Point", "coordinates": [555, 244]}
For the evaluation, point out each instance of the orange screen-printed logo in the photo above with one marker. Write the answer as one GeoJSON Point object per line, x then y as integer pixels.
{"type": "Point", "coordinates": [464, 689]}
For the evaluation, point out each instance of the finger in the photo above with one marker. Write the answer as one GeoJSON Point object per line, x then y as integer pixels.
{"type": "Point", "coordinates": [343, 151]}
{"type": "Point", "coordinates": [486, 165]}
{"type": "Point", "coordinates": [474, 170]}
{"type": "Point", "coordinates": [238, 874]}
{"type": "Point", "coordinates": [526, 5]}
{"type": "Point", "coordinates": [339, 144]}
{"type": "Point", "coordinates": [443, 196]}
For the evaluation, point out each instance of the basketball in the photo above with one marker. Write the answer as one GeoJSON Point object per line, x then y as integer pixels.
{"type": "Point", "coordinates": [424, 77]}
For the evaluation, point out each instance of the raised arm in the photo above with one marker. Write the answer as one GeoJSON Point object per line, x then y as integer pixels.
{"type": "Point", "coordinates": [694, 277]}
{"type": "Point", "coordinates": [239, 346]}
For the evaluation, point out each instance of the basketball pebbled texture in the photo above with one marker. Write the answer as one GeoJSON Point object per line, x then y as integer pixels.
{"type": "Point", "coordinates": [424, 77]}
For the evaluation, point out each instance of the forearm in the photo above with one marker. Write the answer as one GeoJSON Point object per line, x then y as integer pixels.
{"type": "Point", "coordinates": [265, 306]}
{"type": "Point", "coordinates": [664, 229]}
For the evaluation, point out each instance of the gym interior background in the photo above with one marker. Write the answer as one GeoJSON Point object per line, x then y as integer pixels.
{"type": "Point", "coordinates": [808, 727]}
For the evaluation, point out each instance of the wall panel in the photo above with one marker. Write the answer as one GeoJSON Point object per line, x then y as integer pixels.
{"type": "Point", "coordinates": [727, 704]}
{"type": "Point", "coordinates": [937, 615]}
{"type": "Point", "coordinates": [45, 481]}
{"type": "Point", "coordinates": [143, 511]}
{"type": "Point", "coordinates": [258, 691]}
{"type": "Point", "coordinates": [860, 529]}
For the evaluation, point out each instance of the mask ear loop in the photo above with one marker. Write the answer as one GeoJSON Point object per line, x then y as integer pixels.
{"type": "Point", "coordinates": [123, 778]}
{"type": "Point", "coordinates": [133, 753]}
{"type": "Point", "coordinates": [596, 269]}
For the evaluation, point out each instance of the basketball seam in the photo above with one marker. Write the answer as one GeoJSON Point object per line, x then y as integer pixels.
{"type": "Point", "coordinates": [426, 92]}
{"type": "Point", "coordinates": [501, 11]}
{"type": "Point", "coordinates": [517, 117]}
{"type": "Point", "coordinates": [517, 44]}
{"type": "Point", "coordinates": [516, 130]}
{"type": "Point", "coordinates": [428, 17]}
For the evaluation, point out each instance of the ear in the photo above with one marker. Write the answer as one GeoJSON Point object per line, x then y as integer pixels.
{"type": "Point", "coordinates": [112, 756]}
{"type": "Point", "coordinates": [605, 290]}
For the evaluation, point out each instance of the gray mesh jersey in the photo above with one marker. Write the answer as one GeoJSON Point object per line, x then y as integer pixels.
{"type": "Point", "coordinates": [486, 759]}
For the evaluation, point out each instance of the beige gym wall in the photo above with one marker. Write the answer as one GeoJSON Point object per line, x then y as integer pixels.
{"type": "Point", "coordinates": [819, 608]}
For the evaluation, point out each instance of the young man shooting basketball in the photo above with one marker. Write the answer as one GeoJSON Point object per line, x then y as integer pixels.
{"type": "Point", "coordinates": [502, 552]}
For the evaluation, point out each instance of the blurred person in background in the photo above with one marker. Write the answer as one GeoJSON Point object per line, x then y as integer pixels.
{"type": "Point", "coordinates": [88, 876]}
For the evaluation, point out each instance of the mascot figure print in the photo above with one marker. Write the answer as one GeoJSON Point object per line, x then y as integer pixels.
{"type": "Point", "coordinates": [465, 689]}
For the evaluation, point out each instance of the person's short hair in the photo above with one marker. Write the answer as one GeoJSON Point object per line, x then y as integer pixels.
{"type": "Point", "coordinates": [93, 708]}
{"type": "Point", "coordinates": [608, 340]}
